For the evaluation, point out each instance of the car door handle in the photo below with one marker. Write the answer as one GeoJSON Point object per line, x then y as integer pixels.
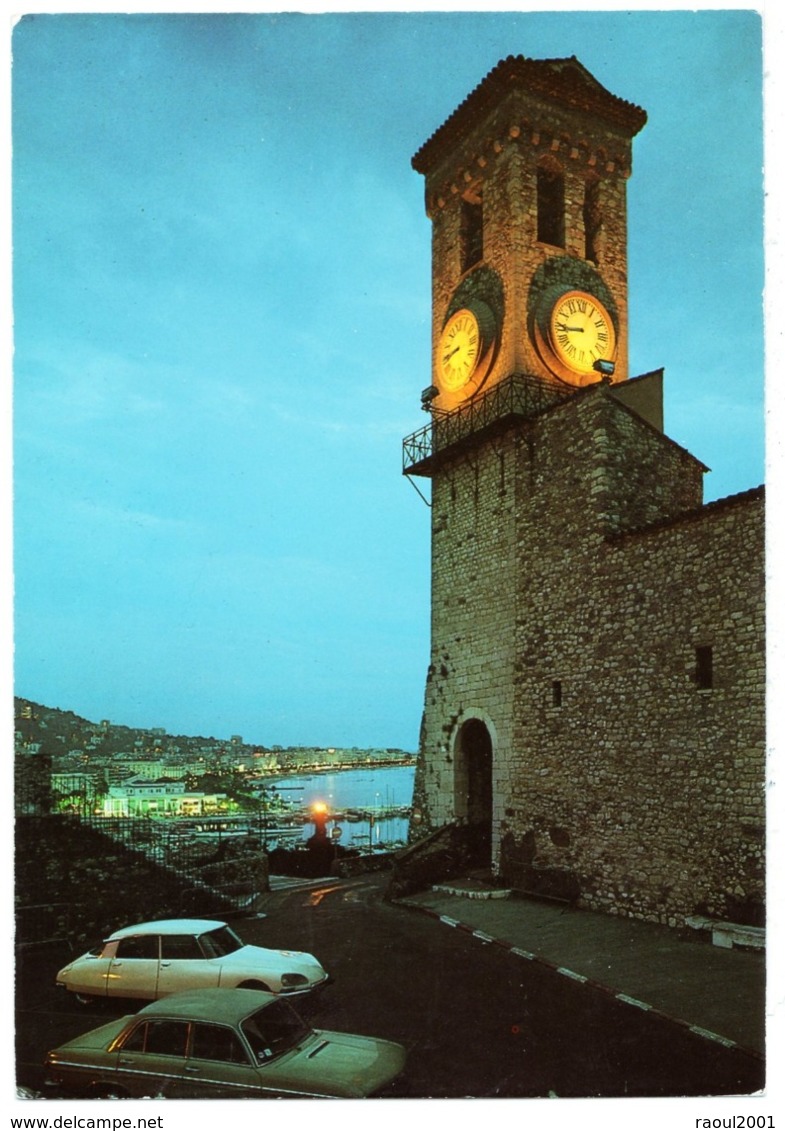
{"type": "Point", "coordinates": [166, 964]}
{"type": "Point", "coordinates": [193, 1071]}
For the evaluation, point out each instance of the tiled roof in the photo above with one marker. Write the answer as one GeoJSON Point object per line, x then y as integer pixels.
{"type": "Point", "coordinates": [564, 81]}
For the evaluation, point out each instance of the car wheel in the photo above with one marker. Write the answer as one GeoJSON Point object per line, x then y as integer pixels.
{"type": "Point", "coordinates": [254, 986]}
{"type": "Point", "coordinates": [85, 999]}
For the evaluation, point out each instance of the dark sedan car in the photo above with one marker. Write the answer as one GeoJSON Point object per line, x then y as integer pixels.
{"type": "Point", "coordinates": [222, 1043]}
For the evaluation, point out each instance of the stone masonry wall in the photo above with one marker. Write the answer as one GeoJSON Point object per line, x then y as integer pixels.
{"type": "Point", "coordinates": [646, 790]}
{"type": "Point", "coordinates": [474, 582]}
{"type": "Point", "coordinates": [571, 633]}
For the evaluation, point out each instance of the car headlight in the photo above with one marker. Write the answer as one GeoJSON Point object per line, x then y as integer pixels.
{"type": "Point", "coordinates": [289, 980]}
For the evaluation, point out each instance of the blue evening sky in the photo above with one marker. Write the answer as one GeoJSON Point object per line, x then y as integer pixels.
{"type": "Point", "coordinates": [221, 304]}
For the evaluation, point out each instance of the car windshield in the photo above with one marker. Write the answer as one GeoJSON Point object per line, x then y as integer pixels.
{"type": "Point", "coordinates": [274, 1030]}
{"type": "Point", "coordinates": [221, 941]}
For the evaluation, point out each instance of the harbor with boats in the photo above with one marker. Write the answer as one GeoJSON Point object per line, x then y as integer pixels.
{"type": "Point", "coordinates": [364, 808]}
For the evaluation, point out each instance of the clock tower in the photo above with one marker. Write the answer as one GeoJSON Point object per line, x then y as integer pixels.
{"type": "Point", "coordinates": [525, 186]}
{"type": "Point", "coordinates": [581, 593]}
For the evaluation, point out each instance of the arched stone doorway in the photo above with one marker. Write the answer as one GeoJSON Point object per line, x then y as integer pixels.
{"type": "Point", "coordinates": [474, 785]}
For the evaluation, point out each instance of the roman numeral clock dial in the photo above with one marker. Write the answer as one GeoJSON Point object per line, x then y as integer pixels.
{"type": "Point", "coordinates": [580, 333]}
{"type": "Point", "coordinates": [459, 350]}
{"type": "Point", "coordinates": [464, 351]}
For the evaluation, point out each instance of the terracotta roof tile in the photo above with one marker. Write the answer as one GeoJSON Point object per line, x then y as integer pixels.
{"type": "Point", "coordinates": [565, 81]}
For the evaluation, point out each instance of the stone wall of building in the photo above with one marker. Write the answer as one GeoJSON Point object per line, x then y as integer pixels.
{"type": "Point", "coordinates": [646, 789]}
{"type": "Point", "coordinates": [575, 574]}
{"type": "Point", "coordinates": [474, 587]}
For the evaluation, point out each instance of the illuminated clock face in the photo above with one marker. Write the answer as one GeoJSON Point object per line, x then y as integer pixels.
{"type": "Point", "coordinates": [460, 349]}
{"type": "Point", "coordinates": [581, 332]}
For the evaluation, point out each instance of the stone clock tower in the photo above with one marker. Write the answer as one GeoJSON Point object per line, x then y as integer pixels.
{"type": "Point", "coordinates": [525, 185]}
{"type": "Point", "coordinates": [555, 646]}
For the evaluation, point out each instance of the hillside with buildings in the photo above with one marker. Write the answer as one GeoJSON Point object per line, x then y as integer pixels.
{"type": "Point", "coordinates": [65, 760]}
{"type": "Point", "coordinates": [192, 823]}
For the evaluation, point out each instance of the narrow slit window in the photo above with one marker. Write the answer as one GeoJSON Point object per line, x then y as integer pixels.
{"type": "Point", "coordinates": [556, 693]}
{"type": "Point", "coordinates": [704, 667]}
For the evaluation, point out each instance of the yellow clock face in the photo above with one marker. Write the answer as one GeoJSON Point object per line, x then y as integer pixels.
{"type": "Point", "coordinates": [460, 348]}
{"type": "Point", "coordinates": [581, 332]}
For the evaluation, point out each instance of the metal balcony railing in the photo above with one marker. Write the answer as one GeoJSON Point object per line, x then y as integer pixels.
{"type": "Point", "coordinates": [520, 396]}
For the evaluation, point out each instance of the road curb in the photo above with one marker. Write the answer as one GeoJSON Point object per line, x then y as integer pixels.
{"type": "Point", "coordinates": [554, 967]}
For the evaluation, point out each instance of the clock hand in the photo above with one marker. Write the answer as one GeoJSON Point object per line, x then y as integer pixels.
{"type": "Point", "coordinates": [569, 329]}
{"type": "Point", "coordinates": [449, 355]}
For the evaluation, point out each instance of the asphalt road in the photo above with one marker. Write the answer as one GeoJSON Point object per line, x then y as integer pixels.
{"type": "Point", "coordinates": [476, 1020]}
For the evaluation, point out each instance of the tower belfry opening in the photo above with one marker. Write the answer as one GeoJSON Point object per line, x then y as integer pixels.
{"type": "Point", "coordinates": [550, 205]}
